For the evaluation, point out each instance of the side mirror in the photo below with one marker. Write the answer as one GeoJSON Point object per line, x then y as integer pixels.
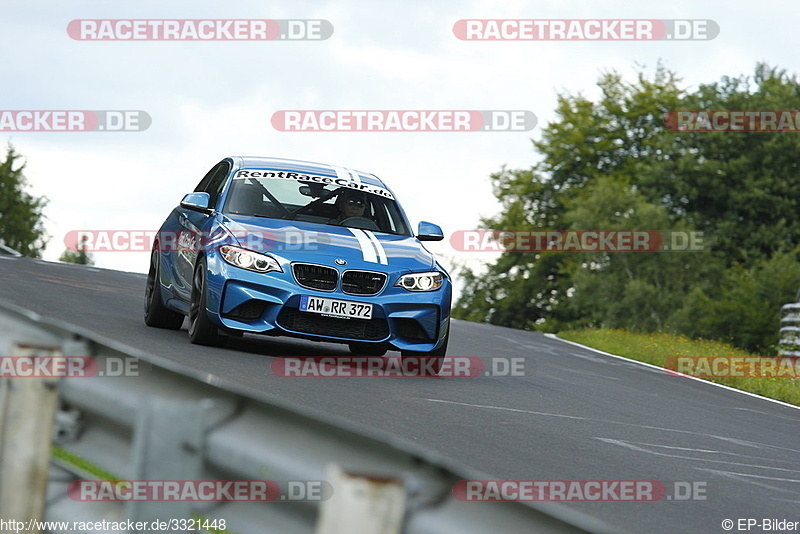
{"type": "Point", "coordinates": [429, 232]}
{"type": "Point", "coordinates": [197, 202]}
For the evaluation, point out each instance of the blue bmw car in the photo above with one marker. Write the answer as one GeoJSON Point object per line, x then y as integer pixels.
{"type": "Point", "coordinates": [284, 247]}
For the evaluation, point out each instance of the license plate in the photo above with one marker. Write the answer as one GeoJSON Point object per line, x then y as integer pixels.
{"type": "Point", "coordinates": [336, 308]}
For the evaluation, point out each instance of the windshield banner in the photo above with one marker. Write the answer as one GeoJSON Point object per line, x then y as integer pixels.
{"type": "Point", "coordinates": [311, 178]}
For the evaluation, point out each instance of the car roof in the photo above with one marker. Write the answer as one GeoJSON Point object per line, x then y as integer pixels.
{"type": "Point", "coordinates": [306, 167]}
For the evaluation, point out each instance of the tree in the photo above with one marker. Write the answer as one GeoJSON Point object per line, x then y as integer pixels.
{"type": "Point", "coordinates": [613, 164]}
{"type": "Point", "coordinates": [745, 307]}
{"type": "Point", "coordinates": [21, 217]}
{"type": "Point", "coordinates": [79, 256]}
{"type": "Point", "coordinates": [741, 188]}
{"type": "Point", "coordinates": [634, 290]}
{"type": "Point", "coordinates": [612, 137]}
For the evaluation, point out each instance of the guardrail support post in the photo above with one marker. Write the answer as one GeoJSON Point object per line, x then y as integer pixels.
{"type": "Point", "coordinates": [362, 503]}
{"type": "Point", "coordinates": [27, 412]}
{"type": "Point", "coordinates": [789, 344]}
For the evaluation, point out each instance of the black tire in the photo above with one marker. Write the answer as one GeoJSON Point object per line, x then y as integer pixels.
{"type": "Point", "coordinates": [155, 313]}
{"type": "Point", "coordinates": [367, 349]}
{"type": "Point", "coordinates": [201, 330]}
{"type": "Point", "coordinates": [433, 360]}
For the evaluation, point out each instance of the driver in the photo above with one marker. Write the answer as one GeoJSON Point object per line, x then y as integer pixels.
{"type": "Point", "coordinates": [350, 204]}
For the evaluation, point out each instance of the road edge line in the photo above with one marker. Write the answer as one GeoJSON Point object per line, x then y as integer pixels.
{"type": "Point", "coordinates": [776, 401]}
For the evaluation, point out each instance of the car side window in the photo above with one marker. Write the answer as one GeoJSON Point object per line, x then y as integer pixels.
{"type": "Point", "coordinates": [206, 179]}
{"type": "Point", "coordinates": [214, 182]}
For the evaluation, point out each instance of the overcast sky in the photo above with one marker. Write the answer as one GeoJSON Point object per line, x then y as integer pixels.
{"type": "Point", "coordinates": [209, 100]}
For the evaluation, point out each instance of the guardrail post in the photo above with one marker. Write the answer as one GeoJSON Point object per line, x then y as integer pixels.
{"type": "Point", "coordinates": [27, 411]}
{"type": "Point", "coordinates": [789, 344]}
{"type": "Point", "coordinates": [362, 503]}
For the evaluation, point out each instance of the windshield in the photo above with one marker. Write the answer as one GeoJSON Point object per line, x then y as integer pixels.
{"type": "Point", "coordinates": [317, 199]}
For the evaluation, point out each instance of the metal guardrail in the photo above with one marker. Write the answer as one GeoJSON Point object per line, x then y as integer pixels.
{"type": "Point", "coordinates": [789, 344]}
{"type": "Point", "coordinates": [174, 423]}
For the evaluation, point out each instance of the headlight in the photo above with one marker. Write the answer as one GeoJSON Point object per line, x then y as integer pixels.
{"type": "Point", "coordinates": [421, 281]}
{"type": "Point", "coordinates": [247, 259]}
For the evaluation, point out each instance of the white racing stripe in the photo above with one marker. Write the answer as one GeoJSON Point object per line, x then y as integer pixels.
{"type": "Point", "coordinates": [367, 249]}
{"type": "Point", "coordinates": [341, 172]}
{"type": "Point", "coordinates": [378, 246]}
{"type": "Point", "coordinates": [346, 174]}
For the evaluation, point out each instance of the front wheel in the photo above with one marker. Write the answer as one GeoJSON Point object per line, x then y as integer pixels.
{"type": "Point", "coordinates": [433, 360]}
{"type": "Point", "coordinates": [201, 330]}
{"type": "Point", "coordinates": [155, 313]}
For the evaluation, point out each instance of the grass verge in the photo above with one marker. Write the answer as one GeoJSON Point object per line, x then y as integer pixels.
{"type": "Point", "coordinates": [656, 348]}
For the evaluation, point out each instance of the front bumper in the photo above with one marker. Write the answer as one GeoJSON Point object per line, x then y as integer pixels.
{"type": "Point", "coordinates": [245, 301]}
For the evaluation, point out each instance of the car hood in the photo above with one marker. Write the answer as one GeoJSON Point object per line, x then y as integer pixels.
{"type": "Point", "coordinates": [311, 242]}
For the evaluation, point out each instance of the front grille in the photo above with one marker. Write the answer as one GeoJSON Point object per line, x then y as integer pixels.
{"type": "Point", "coordinates": [363, 282]}
{"type": "Point", "coordinates": [311, 323]}
{"type": "Point", "coordinates": [248, 311]}
{"type": "Point", "coordinates": [315, 276]}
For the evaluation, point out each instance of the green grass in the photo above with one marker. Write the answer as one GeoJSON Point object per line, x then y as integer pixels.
{"type": "Point", "coordinates": [84, 465]}
{"type": "Point", "coordinates": [98, 473]}
{"type": "Point", "coordinates": [657, 347]}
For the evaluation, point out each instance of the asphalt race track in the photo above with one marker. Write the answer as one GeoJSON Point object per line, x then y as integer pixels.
{"type": "Point", "coordinates": [575, 415]}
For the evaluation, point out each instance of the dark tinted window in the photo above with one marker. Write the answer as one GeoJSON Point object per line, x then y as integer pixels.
{"type": "Point", "coordinates": [214, 182]}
